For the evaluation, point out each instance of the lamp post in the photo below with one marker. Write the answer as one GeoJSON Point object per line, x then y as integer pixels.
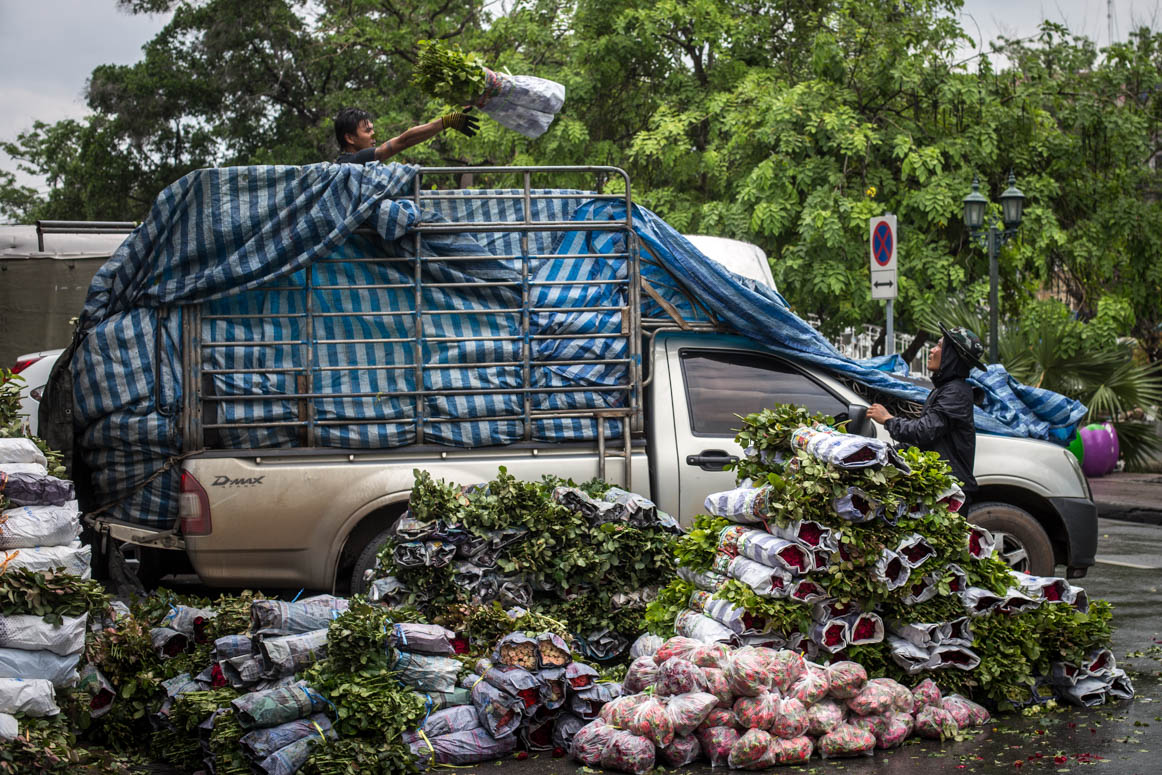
{"type": "Point", "coordinates": [975, 205]}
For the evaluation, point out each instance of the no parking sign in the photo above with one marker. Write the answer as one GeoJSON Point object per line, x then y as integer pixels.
{"type": "Point", "coordinates": [884, 246]}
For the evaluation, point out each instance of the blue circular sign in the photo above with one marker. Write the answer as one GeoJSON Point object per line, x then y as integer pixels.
{"type": "Point", "coordinates": [882, 246]}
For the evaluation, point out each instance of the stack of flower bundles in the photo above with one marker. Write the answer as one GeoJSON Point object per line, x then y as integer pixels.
{"type": "Point", "coordinates": [845, 548]}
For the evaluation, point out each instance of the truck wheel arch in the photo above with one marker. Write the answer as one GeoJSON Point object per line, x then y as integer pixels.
{"type": "Point", "coordinates": [1037, 506]}
{"type": "Point", "coordinates": [362, 527]}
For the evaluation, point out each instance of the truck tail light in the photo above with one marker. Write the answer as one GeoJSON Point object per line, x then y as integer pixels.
{"type": "Point", "coordinates": [24, 363]}
{"type": "Point", "coordinates": [194, 507]}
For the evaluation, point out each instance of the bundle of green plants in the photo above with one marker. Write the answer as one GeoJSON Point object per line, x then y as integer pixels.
{"type": "Point", "coordinates": [364, 756]}
{"type": "Point", "coordinates": [446, 72]}
{"type": "Point", "coordinates": [50, 747]}
{"type": "Point", "coordinates": [357, 639]}
{"type": "Point", "coordinates": [124, 654]}
{"type": "Point", "coordinates": [575, 568]}
{"type": "Point", "coordinates": [1014, 648]}
{"type": "Point", "coordinates": [367, 703]}
{"type": "Point", "coordinates": [225, 748]}
{"type": "Point", "coordinates": [49, 594]}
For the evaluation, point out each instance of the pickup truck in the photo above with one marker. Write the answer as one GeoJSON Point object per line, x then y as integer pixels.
{"type": "Point", "coordinates": [302, 514]}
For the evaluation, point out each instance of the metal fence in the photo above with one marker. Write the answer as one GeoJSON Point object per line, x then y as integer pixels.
{"type": "Point", "coordinates": [858, 344]}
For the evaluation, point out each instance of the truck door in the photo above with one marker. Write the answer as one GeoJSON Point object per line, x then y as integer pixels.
{"type": "Point", "coordinates": [711, 389]}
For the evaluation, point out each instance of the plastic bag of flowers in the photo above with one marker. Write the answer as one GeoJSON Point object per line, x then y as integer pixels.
{"type": "Point", "coordinates": [812, 686]}
{"type": "Point", "coordinates": [757, 712]}
{"type": "Point", "coordinates": [796, 750]}
{"type": "Point", "coordinates": [678, 676]}
{"type": "Point", "coordinates": [873, 700]}
{"type": "Point", "coordinates": [717, 743]}
{"type": "Point", "coordinates": [847, 740]}
{"type": "Point", "coordinates": [469, 746]}
{"type": "Point", "coordinates": [718, 717]}
{"type": "Point", "coordinates": [897, 730]}
{"type": "Point", "coordinates": [619, 712]}
{"type": "Point", "coordinates": [824, 716]}
{"type": "Point", "coordinates": [750, 751]}
{"type": "Point", "coordinates": [790, 719]}
{"type": "Point", "coordinates": [627, 752]}
{"type": "Point", "coordinates": [652, 721]}
{"type": "Point", "coordinates": [846, 679]}
{"type": "Point", "coordinates": [272, 707]}
{"type": "Point", "coordinates": [32, 697]}
{"type": "Point", "coordinates": [966, 712]}
{"type": "Point", "coordinates": [589, 742]}
{"type": "Point", "coordinates": [683, 751]}
{"type": "Point", "coordinates": [710, 655]}
{"type": "Point", "coordinates": [718, 685]}
{"type": "Point", "coordinates": [935, 723]}
{"type": "Point", "coordinates": [688, 711]}
{"type": "Point", "coordinates": [748, 673]}
{"type": "Point", "coordinates": [642, 673]}
{"type": "Point", "coordinates": [646, 645]}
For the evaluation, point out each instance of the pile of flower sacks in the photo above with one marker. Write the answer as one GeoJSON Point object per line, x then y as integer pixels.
{"type": "Point", "coordinates": [755, 707]}
{"type": "Point", "coordinates": [530, 694]}
{"type": "Point", "coordinates": [791, 563]}
{"type": "Point", "coordinates": [39, 532]}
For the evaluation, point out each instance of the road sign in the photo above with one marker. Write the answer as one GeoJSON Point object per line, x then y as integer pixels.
{"type": "Point", "coordinates": [884, 247]}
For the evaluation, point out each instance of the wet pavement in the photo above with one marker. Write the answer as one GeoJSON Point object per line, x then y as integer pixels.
{"type": "Point", "coordinates": [1128, 496]}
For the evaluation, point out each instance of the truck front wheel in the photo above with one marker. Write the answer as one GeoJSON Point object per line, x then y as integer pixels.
{"type": "Point", "coordinates": [365, 562]}
{"type": "Point", "coordinates": [1022, 543]}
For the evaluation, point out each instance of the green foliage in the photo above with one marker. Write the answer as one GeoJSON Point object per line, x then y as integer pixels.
{"type": "Point", "coordinates": [446, 72]}
{"type": "Point", "coordinates": [370, 703]}
{"type": "Point", "coordinates": [50, 747]}
{"type": "Point", "coordinates": [367, 757]}
{"type": "Point", "coordinates": [49, 594]}
{"type": "Point", "coordinates": [357, 639]}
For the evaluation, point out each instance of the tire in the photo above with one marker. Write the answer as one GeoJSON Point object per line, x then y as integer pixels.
{"type": "Point", "coordinates": [366, 562]}
{"type": "Point", "coordinates": [1022, 543]}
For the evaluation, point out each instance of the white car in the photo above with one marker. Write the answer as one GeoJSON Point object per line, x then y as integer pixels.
{"type": "Point", "coordinates": [34, 369]}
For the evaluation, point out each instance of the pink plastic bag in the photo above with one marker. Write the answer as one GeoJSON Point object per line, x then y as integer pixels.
{"type": "Point", "coordinates": [757, 712]}
{"type": "Point", "coordinates": [717, 743]}
{"type": "Point", "coordinates": [966, 712]}
{"type": "Point", "coordinates": [794, 751]}
{"type": "Point", "coordinates": [683, 751]}
{"type": "Point", "coordinates": [751, 750]}
{"type": "Point", "coordinates": [718, 717]}
{"type": "Point", "coordinates": [895, 732]}
{"type": "Point", "coordinates": [688, 711]}
{"type": "Point", "coordinates": [790, 719]}
{"type": "Point", "coordinates": [786, 667]}
{"type": "Point", "coordinates": [678, 676]}
{"type": "Point", "coordinates": [627, 752]}
{"type": "Point", "coordinates": [935, 723]}
{"type": "Point", "coordinates": [590, 741]}
{"type": "Point", "coordinates": [641, 674]}
{"type": "Point", "coordinates": [718, 685]}
{"type": "Point", "coordinates": [847, 679]}
{"type": "Point", "coordinates": [652, 721]}
{"type": "Point", "coordinates": [810, 687]}
{"type": "Point", "coordinates": [926, 693]}
{"type": "Point", "coordinates": [847, 740]}
{"type": "Point", "coordinates": [747, 673]}
{"type": "Point", "coordinates": [824, 716]}
{"type": "Point", "coordinates": [677, 646]}
{"type": "Point", "coordinates": [873, 700]}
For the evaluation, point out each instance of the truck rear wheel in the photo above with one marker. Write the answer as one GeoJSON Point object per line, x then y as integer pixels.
{"type": "Point", "coordinates": [365, 562]}
{"type": "Point", "coordinates": [1022, 543]}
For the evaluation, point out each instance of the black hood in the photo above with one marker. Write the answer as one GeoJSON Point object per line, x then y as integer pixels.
{"type": "Point", "coordinates": [953, 365]}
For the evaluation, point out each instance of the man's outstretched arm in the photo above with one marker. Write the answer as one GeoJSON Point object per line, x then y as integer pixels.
{"type": "Point", "coordinates": [461, 122]}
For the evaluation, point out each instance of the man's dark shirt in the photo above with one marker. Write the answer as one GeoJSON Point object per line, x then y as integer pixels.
{"type": "Point", "coordinates": [946, 426]}
{"type": "Point", "coordinates": [366, 156]}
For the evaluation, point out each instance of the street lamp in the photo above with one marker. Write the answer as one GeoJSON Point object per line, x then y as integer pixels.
{"type": "Point", "coordinates": [975, 205]}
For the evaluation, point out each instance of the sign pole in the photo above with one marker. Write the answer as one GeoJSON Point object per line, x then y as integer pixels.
{"type": "Point", "coordinates": [890, 332]}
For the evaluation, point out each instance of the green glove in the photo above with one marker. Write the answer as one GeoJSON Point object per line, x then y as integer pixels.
{"type": "Point", "coordinates": [461, 122]}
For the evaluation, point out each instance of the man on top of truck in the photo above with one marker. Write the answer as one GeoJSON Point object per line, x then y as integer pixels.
{"type": "Point", "coordinates": [356, 135]}
{"type": "Point", "coordinates": [946, 426]}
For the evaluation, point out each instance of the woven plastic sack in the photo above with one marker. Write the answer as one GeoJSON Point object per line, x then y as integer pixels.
{"type": "Point", "coordinates": [641, 674]}
{"type": "Point", "coordinates": [718, 685]}
{"type": "Point", "coordinates": [261, 743]}
{"type": "Point", "coordinates": [9, 728]}
{"type": "Point", "coordinates": [470, 746]}
{"type": "Point", "coordinates": [847, 740]}
{"type": "Point", "coordinates": [21, 450]}
{"type": "Point", "coordinates": [646, 645]}
{"type": "Point", "coordinates": [35, 490]}
{"type": "Point", "coordinates": [275, 617]}
{"type": "Point", "coordinates": [500, 713]}
{"type": "Point", "coordinates": [757, 712]}
{"type": "Point", "coordinates": [824, 716]}
{"type": "Point", "coordinates": [426, 673]}
{"type": "Point", "coordinates": [444, 722]}
{"type": "Point", "coordinates": [750, 751]}
{"type": "Point", "coordinates": [717, 743]}
{"type": "Point", "coordinates": [743, 505]}
{"type": "Point", "coordinates": [60, 670]}
{"type": "Point", "coordinates": [701, 628]}
{"type": "Point", "coordinates": [763, 580]}
{"type": "Point", "coordinates": [589, 742]}
{"type": "Point", "coordinates": [273, 707]}
{"type": "Point", "coordinates": [810, 687]}
{"type": "Point", "coordinates": [748, 673]}
{"type": "Point", "coordinates": [627, 752]}
{"type": "Point", "coordinates": [33, 697]}
{"type": "Point", "coordinates": [32, 633]}
{"type": "Point", "coordinates": [522, 103]}
{"type": "Point", "coordinates": [678, 676]}
{"type": "Point", "coordinates": [33, 526]}
{"type": "Point", "coordinates": [688, 711]}
{"type": "Point", "coordinates": [75, 558]}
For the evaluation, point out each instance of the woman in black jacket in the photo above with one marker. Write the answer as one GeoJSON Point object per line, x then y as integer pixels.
{"type": "Point", "coordinates": [946, 426]}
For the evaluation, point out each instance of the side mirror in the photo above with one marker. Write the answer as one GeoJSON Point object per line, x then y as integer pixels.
{"type": "Point", "coordinates": [858, 423]}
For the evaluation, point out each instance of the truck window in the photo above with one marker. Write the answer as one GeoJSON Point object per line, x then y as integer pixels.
{"type": "Point", "coordinates": [720, 385]}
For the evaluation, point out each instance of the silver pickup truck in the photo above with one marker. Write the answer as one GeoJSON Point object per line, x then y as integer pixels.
{"type": "Point", "coordinates": [301, 514]}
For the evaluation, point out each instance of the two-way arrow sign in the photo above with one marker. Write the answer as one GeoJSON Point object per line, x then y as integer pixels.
{"type": "Point", "coordinates": [887, 283]}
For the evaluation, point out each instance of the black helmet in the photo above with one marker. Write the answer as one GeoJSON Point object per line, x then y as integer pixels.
{"type": "Point", "coordinates": [966, 343]}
